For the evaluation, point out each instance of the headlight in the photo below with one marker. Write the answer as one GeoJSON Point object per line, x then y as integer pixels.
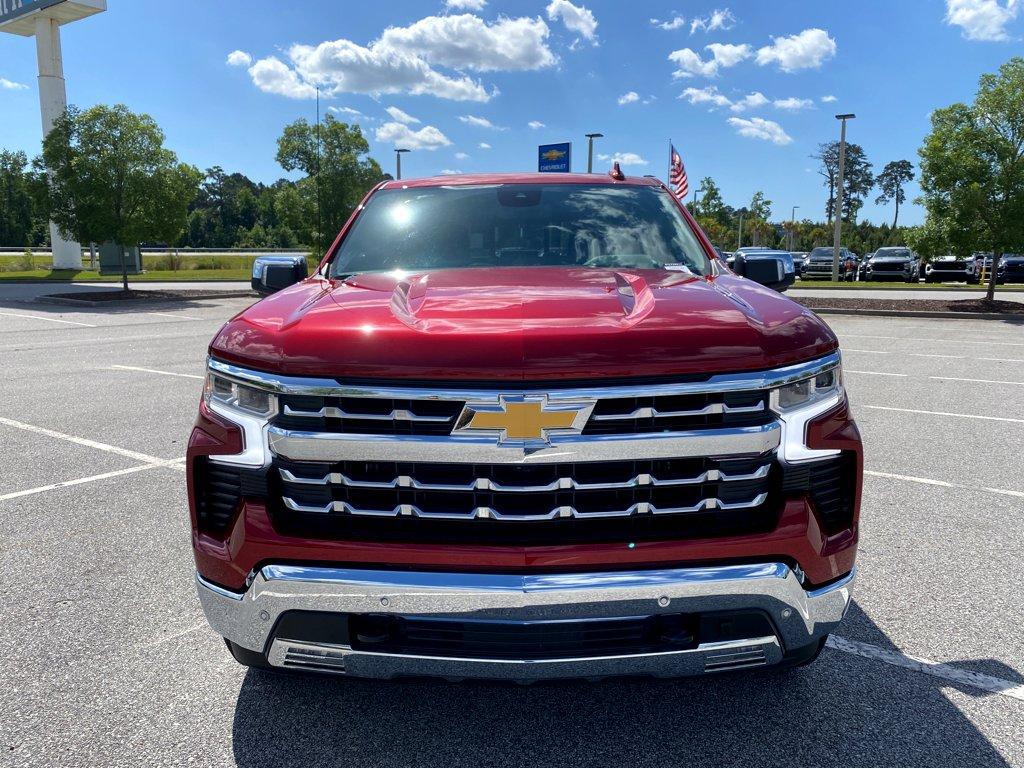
{"type": "Point", "coordinates": [248, 407]}
{"type": "Point", "coordinates": [806, 392]}
{"type": "Point", "coordinates": [798, 403]}
{"type": "Point", "coordinates": [238, 397]}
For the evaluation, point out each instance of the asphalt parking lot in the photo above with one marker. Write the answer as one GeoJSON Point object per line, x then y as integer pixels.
{"type": "Point", "coordinates": [108, 660]}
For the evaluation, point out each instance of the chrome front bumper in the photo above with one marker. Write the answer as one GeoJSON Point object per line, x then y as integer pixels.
{"type": "Point", "coordinates": [801, 617]}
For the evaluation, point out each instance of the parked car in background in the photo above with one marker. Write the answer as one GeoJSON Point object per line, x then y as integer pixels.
{"type": "Point", "coordinates": [951, 268]}
{"type": "Point", "coordinates": [893, 263]}
{"type": "Point", "coordinates": [1011, 269]}
{"type": "Point", "coordinates": [800, 260]}
{"type": "Point", "coordinates": [819, 264]}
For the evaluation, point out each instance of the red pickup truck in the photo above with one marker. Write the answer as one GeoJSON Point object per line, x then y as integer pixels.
{"type": "Point", "coordinates": [523, 427]}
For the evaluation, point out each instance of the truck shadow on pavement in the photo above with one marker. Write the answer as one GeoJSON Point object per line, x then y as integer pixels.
{"type": "Point", "coordinates": [842, 710]}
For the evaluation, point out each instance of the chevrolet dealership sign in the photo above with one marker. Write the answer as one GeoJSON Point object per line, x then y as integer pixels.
{"type": "Point", "coordinates": [19, 16]}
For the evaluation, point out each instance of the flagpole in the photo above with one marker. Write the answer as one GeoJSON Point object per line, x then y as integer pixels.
{"type": "Point", "coordinates": [669, 177]}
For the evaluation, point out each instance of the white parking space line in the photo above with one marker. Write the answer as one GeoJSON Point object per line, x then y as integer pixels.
{"type": "Point", "coordinates": [942, 414]}
{"type": "Point", "coordinates": [873, 373]}
{"type": "Point", "coordinates": [83, 441]}
{"type": "Point", "coordinates": [945, 484]}
{"type": "Point", "coordinates": [875, 352]}
{"type": "Point", "coordinates": [52, 320]}
{"type": "Point", "coordinates": [157, 371]}
{"type": "Point", "coordinates": [982, 381]}
{"type": "Point", "coordinates": [932, 355]}
{"type": "Point", "coordinates": [929, 667]}
{"type": "Point", "coordinates": [175, 463]}
{"type": "Point", "coordinates": [924, 339]}
{"type": "Point", "coordinates": [177, 317]}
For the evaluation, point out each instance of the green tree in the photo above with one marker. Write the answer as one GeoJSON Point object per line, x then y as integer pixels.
{"type": "Point", "coordinates": [891, 181]}
{"type": "Point", "coordinates": [857, 177]}
{"type": "Point", "coordinates": [972, 168]}
{"type": "Point", "coordinates": [338, 168]}
{"type": "Point", "coordinates": [760, 207]}
{"type": "Point", "coordinates": [111, 178]}
{"type": "Point", "coordinates": [710, 204]}
{"type": "Point", "coordinates": [16, 203]}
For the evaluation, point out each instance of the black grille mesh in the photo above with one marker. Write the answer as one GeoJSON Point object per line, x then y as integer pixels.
{"type": "Point", "coordinates": [831, 485]}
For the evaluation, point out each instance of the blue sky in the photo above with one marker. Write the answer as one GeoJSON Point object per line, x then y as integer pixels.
{"type": "Point", "coordinates": [747, 111]}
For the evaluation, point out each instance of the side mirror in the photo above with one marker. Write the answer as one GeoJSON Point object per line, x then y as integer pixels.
{"type": "Point", "coordinates": [766, 270]}
{"type": "Point", "coordinates": [273, 272]}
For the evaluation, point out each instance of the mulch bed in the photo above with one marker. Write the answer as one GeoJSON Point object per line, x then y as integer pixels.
{"type": "Point", "coordinates": [148, 296]}
{"type": "Point", "coordinates": [923, 305]}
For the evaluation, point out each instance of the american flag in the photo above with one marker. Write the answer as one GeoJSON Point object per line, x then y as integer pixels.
{"type": "Point", "coordinates": [677, 175]}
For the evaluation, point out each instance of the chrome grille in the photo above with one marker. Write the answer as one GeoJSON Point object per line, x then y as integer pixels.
{"type": "Point", "coordinates": [531, 493]}
{"type": "Point", "coordinates": [437, 416]}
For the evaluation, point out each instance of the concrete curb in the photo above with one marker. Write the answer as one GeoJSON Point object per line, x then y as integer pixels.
{"type": "Point", "coordinates": [1019, 318]}
{"type": "Point", "coordinates": [133, 302]}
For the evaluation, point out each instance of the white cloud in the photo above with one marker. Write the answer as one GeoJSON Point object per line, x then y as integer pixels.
{"type": "Point", "coordinates": [480, 122]}
{"type": "Point", "coordinates": [723, 55]}
{"type": "Point", "coordinates": [629, 98]}
{"type": "Point", "coordinates": [674, 23]}
{"type": "Point", "coordinates": [793, 104]}
{"type": "Point", "coordinates": [535, 124]}
{"type": "Point", "coordinates": [399, 134]}
{"type": "Point", "coordinates": [982, 19]}
{"type": "Point", "coordinates": [10, 85]}
{"type": "Point", "coordinates": [720, 18]}
{"type": "Point", "coordinates": [729, 55]}
{"type": "Point", "coordinates": [623, 159]}
{"type": "Point", "coordinates": [576, 18]}
{"type": "Point", "coordinates": [450, 171]}
{"type": "Point", "coordinates": [709, 95]}
{"type": "Point", "coordinates": [468, 42]}
{"type": "Point", "coordinates": [759, 128]}
{"type": "Point", "coordinates": [754, 100]}
{"type": "Point", "coordinates": [239, 59]}
{"type": "Point", "coordinates": [271, 75]}
{"type": "Point", "coordinates": [405, 59]}
{"type": "Point", "coordinates": [341, 66]}
{"type": "Point", "coordinates": [465, 5]}
{"type": "Point", "coordinates": [349, 112]}
{"type": "Point", "coordinates": [484, 146]}
{"type": "Point", "coordinates": [689, 64]}
{"type": "Point", "coordinates": [828, 99]}
{"type": "Point", "coordinates": [461, 156]}
{"type": "Point", "coordinates": [806, 50]}
{"type": "Point", "coordinates": [400, 116]}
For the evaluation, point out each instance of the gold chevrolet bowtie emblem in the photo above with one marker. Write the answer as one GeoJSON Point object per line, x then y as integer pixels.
{"type": "Point", "coordinates": [524, 418]}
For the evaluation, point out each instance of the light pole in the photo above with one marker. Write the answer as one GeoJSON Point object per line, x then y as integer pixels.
{"type": "Point", "coordinates": [739, 234]}
{"type": "Point", "coordinates": [590, 150]}
{"type": "Point", "coordinates": [398, 161]}
{"type": "Point", "coordinates": [792, 224]}
{"type": "Point", "coordinates": [838, 209]}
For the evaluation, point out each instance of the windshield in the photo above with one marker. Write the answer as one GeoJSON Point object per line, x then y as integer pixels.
{"type": "Point", "coordinates": [821, 251]}
{"type": "Point", "coordinates": [519, 225]}
{"type": "Point", "coordinates": [891, 253]}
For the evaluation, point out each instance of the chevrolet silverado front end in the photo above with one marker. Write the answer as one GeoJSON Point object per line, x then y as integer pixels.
{"type": "Point", "coordinates": [524, 427]}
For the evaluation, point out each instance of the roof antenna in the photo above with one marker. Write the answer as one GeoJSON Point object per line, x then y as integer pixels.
{"type": "Point", "coordinates": [616, 172]}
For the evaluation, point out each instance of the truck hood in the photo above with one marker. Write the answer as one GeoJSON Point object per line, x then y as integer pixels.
{"type": "Point", "coordinates": [519, 324]}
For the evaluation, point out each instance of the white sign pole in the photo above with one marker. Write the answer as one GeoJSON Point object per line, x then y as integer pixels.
{"type": "Point", "coordinates": [67, 254]}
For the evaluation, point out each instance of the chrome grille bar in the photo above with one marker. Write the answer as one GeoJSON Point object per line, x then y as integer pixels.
{"type": "Point", "coordinates": [402, 415]}
{"type": "Point", "coordinates": [646, 412]}
{"type": "Point", "coordinates": [563, 511]}
{"type": "Point", "coordinates": [486, 484]}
